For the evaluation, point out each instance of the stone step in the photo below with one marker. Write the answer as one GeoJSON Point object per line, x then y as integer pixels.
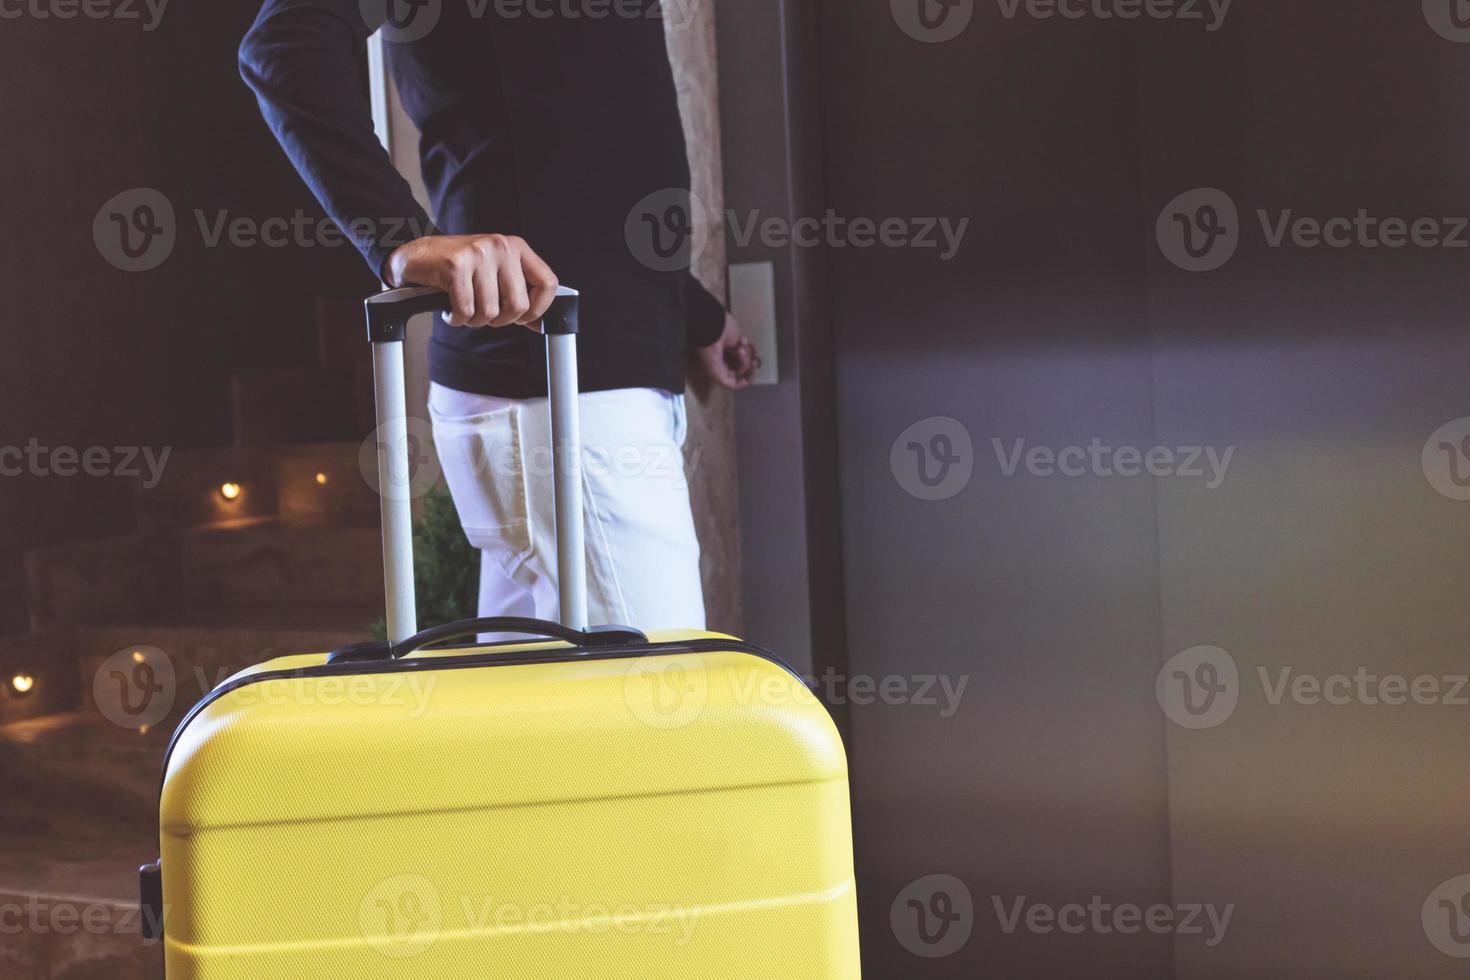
{"type": "Point", "coordinates": [129, 578]}
{"type": "Point", "coordinates": [79, 775]}
{"type": "Point", "coordinates": [330, 555]}
{"type": "Point", "coordinates": [189, 490]}
{"type": "Point", "coordinates": [311, 621]}
{"type": "Point", "coordinates": [59, 671]}
{"type": "Point", "coordinates": [76, 906]}
{"type": "Point", "coordinates": [131, 687]}
{"type": "Point", "coordinates": [185, 662]}
{"type": "Point", "coordinates": [325, 483]}
{"type": "Point", "coordinates": [80, 811]}
{"type": "Point", "coordinates": [320, 482]}
{"type": "Point", "coordinates": [80, 816]}
{"type": "Point", "coordinates": [265, 563]}
{"type": "Point", "coordinates": [38, 675]}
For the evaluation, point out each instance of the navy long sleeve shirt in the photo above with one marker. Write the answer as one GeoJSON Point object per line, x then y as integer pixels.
{"type": "Point", "coordinates": [536, 120]}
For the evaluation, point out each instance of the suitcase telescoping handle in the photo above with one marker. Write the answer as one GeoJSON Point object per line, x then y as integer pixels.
{"type": "Point", "coordinates": [388, 314]}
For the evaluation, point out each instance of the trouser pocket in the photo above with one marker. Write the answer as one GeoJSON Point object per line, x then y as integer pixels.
{"type": "Point", "coordinates": [483, 461]}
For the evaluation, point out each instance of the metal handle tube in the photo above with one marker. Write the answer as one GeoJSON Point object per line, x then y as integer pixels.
{"type": "Point", "coordinates": [395, 491]}
{"type": "Point", "coordinates": [387, 321]}
{"type": "Point", "coordinates": [566, 454]}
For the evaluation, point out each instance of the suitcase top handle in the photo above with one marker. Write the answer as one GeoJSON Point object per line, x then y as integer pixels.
{"type": "Point", "coordinates": [596, 638]}
{"type": "Point", "coordinates": [388, 312]}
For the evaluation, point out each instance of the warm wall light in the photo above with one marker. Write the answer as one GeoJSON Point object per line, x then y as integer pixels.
{"type": "Point", "coordinates": [321, 479]}
{"type": "Point", "coordinates": [230, 491]}
{"type": "Point", "coordinates": [139, 656]}
{"type": "Point", "coordinates": [22, 684]}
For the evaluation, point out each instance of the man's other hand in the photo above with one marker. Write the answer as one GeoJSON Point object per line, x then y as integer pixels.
{"type": "Point", "coordinates": [732, 361]}
{"type": "Point", "coordinates": [492, 280]}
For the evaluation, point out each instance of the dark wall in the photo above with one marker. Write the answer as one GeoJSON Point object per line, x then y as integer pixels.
{"type": "Point", "coordinates": [1047, 785]}
{"type": "Point", "coordinates": [95, 356]}
{"type": "Point", "coordinates": [1329, 551]}
{"type": "Point", "coordinates": [1329, 548]}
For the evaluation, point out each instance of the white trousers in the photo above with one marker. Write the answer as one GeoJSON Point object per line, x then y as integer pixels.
{"type": "Point", "coordinates": [642, 552]}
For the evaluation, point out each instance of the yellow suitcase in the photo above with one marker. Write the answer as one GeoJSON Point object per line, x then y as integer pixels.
{"type": "Point", "coordinates": [591, 804]}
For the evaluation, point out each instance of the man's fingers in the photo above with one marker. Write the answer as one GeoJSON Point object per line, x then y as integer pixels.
{"type": "Point", "coordinates": [487, 295]}
{"type": "Point", "coordinates": [541, 282]}
{"type": "Point", "coordinates": [514, 301]}
{"type": "Point", "coordinates": [492, 280]}
{"type": "Point", "coordinates": [719, 369]}
{"type": "Point", "coordinates": [541, 296]}
{"type": "Point", "coordinates": [740, 359]}
{"type": "Point", "coordinates": [461, 290]}
{"type": "Point", "coordinates": [744, 363]}
{"type": "Point", "coordinates": [751, 364]}
{"type": "Point", "coordinates": [744, 356]}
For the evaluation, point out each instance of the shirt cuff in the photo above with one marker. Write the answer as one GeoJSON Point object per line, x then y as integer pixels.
{"type": "Point", "coordinates": [395, 234]}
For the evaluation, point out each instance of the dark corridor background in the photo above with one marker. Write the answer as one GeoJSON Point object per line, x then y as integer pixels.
{"type": "Point", "coordinates": [97, 356]}
{"type": "Point", "coordinates": [1330, 546]}
{"type": "Point", "coordinates": [1327, 547]}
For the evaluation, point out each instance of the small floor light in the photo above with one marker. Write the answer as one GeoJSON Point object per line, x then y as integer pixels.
{"type": "Point", "coordinates": [22, 684]}
{"type": "Point", "coordinates": [230, 491]}
{"type": "Point", "coordinates": [321, 479]}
